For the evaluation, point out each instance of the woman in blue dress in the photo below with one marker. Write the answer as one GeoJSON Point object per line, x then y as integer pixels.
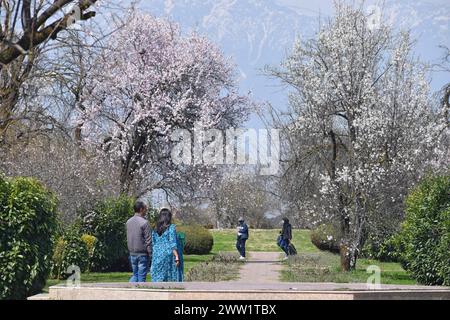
{"type": "Point", "coordinates": [167, 261]}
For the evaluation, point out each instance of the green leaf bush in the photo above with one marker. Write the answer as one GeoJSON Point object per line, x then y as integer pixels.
{"type": "Point", "coordinates": [425, 234]}
{"type": "Point", "coordinates": [106, 222]}
{"type": "Point", "coordinates": [70, 250]}
{"type": "Point", "coordinates": [28, 223]}
{"type": "Point", "coordinates": [222, 267]}
{"type": "Point", "coordinates": [199, 240]}
{"type": "Point", "coordinates": [385, 250]}
{"type": "Point", "coordinates": [90, 242]}
{"type": "Point", "coordinates": [226, 257]}
{"type": "Point", "coordinates": [326, 237]}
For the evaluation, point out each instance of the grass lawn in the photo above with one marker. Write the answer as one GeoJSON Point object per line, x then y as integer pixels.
{"type": "Point", "coordinates": [189, 262]}
{"type": "Point", "coordinates": [325, 267]}
{"type": "Point", "coordinates": [94, 277]}
{"type": "Point", "coordinates": [311, 265]}
{"type": "Point", "coordinates": [260, 240]}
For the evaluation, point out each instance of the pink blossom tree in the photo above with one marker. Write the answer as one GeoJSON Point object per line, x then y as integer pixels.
{"type": "Point", "coordinates": [150, 81]}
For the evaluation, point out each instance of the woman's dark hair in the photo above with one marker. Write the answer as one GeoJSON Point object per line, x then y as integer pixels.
{"type": "Point", "coordinates": [164, 221]}
{"type": "Point", "coordinates": [286, 220]}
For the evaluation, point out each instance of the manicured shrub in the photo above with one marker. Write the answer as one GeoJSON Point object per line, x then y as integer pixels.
{"type": "Point", "coordinates": [198, 239]}
{"type": "Point", "coordinates": [425, 235]}
{"type": "Point", "coordinates": [222, 267]}
{"type": "Point", "coordinates": [226, 257]}
{"type": "Point", "coordinates": [106, 222]}
{"type": "Point", "coordinates": [28, 223]}
{"type": "Point", "coordinates": [70, 250]}
{"type": "Point", "coordinates": [326, 238]}
{"type": "Point", "coordinates": [387, 250]}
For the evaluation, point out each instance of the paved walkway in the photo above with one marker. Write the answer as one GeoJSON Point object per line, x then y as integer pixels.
{"type": "Point", "coordinates": [241, 291]}
{"type": "Point", "coordinates": [261, 267]}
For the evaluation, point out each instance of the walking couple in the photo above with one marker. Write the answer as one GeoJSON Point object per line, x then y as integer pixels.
{"type": "Point", "coordinates": [159, 250]}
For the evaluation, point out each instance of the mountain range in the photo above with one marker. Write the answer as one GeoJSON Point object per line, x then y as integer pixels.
{"type": "Point", "coordinates": [257, 33]}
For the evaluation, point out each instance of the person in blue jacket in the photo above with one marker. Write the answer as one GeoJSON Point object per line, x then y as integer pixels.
{"type": "Point", "coordinates": [242, 236]}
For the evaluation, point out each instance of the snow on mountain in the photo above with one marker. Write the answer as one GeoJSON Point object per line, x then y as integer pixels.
{"type": "Point", "coordinates": [427, 20]}
{"type": "Point", "coordinates": [251, 30]}
{"type": "Point", "coordinates": [257, 33]}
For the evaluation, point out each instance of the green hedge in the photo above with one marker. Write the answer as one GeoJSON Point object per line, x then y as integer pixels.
{"type": "Point", "coordinates": [106, 222]}
{"type": "Point", "coordinates": [425, 235]}
{"type": "Point", "coordinates": [326, 238]}
{"type": "Point", "coordinates": [70, 249]}
{"type": "Point", "coordinates": [198, 239]}
{"type": "Point", "coordinates": [387, 250]}
{"type": "Point", "coordinates": [28, 223]}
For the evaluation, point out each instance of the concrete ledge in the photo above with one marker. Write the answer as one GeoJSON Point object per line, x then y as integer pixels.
{"type": "Point", "coordinates": [41, 296]}
{"type": "Point", "coordinates": [239, 291]}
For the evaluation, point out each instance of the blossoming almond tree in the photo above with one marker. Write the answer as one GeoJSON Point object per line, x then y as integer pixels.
{"type": "Point", "coordinates": [151, 81]}
{"type": "Point", "coordinates": [362, 110]}
{"type": "Point", "coordinates": [243, 193]}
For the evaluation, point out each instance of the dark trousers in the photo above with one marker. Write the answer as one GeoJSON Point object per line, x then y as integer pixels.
{"type": "Point", "coordinates": [240, 246]}
{"type": "Point", "coordinates": [285, 246]}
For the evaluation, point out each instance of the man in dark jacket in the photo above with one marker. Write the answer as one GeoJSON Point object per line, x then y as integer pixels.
{"type": "Point", "coordinates": [139, 239]}
{"type": "Point", "coordinates": [242, 237]}
{"type": "Point", "coordinates": [286, 236]}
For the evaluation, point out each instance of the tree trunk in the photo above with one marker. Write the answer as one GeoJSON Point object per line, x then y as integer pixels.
{"type": "Point", "coordinates": [446, 103]}
{"type": "Point", "coordinates": [125, 182]}
{"type": "Point", "coordinates": [345, 261]}
{"type": "Point", "coordinates": [7, 105]}
{"type": "Point", "coordinates": [348, 257]}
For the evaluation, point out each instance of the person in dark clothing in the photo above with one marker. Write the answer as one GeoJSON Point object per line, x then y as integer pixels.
{"type": "Point", "coordinates": [286, 236]}
{"type": "Point", "coordinates": [242, 237]}
{"type": "Point", "coordinates": [139, 243]}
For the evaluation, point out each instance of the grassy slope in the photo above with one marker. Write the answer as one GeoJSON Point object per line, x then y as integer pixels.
{"type": "Point", "coordinates": [312, 264]}
{"type": "Point", "coordinates": [310, 260]}
{"type": "Point", "coordinates": [261, 240]}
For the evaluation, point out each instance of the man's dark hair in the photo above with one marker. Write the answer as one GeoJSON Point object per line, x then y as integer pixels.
{"type": "Point", "coordinates": [138, 206]}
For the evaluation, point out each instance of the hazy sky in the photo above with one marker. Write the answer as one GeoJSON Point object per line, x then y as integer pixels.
{"type": "Point", "coordinates": [326, 6]}
{"type": "Point", "coordinates": [429, 35]}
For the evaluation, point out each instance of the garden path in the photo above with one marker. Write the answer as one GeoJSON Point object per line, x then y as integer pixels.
{"type": "Point", "coordinates": [261, 267]}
